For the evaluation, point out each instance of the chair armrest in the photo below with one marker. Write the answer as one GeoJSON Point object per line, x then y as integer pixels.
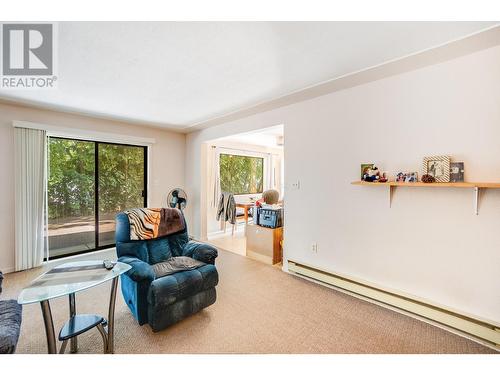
{"type": "Point", "coordinates": [140, 271]}
{"type": "Point", "coordinates": [200, 251]}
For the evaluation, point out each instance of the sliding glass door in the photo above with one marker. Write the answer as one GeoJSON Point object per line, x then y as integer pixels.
{"type": "Point", "coordinates": [88, 183]}
{"type": "Point", "coordinates": [121, 172]}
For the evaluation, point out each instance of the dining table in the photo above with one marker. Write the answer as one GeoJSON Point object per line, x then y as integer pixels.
{"type": "Point", "coordinates": [246, 205]}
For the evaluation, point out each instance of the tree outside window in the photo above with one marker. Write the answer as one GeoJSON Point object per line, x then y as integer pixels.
{"type": "Point", "coordinates": [241, 174]}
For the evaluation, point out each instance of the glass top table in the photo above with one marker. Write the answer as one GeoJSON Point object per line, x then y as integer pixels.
{"type": "Point", "coordinates": [68, 279]}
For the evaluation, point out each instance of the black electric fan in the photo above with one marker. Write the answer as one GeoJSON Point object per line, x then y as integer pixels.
{"type": "Point", "coordinates": [177, 198]}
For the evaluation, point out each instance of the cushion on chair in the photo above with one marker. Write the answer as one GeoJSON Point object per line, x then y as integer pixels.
{"type": "Point", "coordinates": [159, 250]}
{"type": "Point", "coordinates": [176, 264]}
{"type": "Point", "coordinates": [169, 289]}
{"type": "Point", "coordinates": [177, 242]}
{"type": "Point", "coordinates": [10, 325]}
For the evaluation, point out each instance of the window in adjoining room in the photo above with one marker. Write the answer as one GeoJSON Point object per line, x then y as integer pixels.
{"type": "Point", "coordinates": [241, 174]}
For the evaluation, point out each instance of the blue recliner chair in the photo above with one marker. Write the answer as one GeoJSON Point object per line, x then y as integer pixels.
{"type": "Point", "coordinates": [166, 300]}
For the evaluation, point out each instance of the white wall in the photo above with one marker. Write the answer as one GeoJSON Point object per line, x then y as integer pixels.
{"type": "Point", "coordinates": [166, 161]}
{"type": "Point", "coordinates": [430, 243]}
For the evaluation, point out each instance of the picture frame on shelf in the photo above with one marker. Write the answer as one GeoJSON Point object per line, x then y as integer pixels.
{"type": "Point", "coordinates": [437, 167]}
{"type": "Point", "coordinates": [457, 171]}
{"type": "Point", "coordinates": [408, 177]}
{"type": "Point", "coordinates": [364, 168]}
{"type": "Point", "coordinates": [411, 177]}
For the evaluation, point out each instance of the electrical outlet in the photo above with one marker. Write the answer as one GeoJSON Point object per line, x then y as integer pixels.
{"type": "Point", "coordinates": [296, 185]}
{"type": "Point", "coordinates": [314, 247]}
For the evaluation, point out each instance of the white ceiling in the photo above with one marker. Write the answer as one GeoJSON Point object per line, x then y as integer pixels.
{"type": "Point", "coordinates": [178, 74]}
{"type": "Point", "coordinates": [267, 137]}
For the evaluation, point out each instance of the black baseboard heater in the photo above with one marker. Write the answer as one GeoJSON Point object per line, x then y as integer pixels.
{"type": "Point", "coordinates": [484, 331]}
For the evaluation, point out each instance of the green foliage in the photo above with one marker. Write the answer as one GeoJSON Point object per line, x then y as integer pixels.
{"type": "Point", "coordinates": [71, 185]}
{"type": "Point", "coordinates": [71, 178]}
{"type": "Point", "coordinates": [241, 174]}
{"type": "Point", "coordinates": [121, 177]}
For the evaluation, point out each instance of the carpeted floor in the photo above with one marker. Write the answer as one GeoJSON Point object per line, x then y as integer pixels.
{"type": "Point", "coordinates": [259, 309]}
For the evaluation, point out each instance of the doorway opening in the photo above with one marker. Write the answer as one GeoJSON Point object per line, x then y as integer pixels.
{"type": "Point", "coordinates": [247, 166]}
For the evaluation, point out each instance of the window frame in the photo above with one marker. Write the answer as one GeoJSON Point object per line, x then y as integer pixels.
{"type": "Point", "coordinates": [267, 170]}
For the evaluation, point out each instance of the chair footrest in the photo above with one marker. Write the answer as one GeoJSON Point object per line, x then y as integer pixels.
{"type": "Point", "coordinates": [80, 324]}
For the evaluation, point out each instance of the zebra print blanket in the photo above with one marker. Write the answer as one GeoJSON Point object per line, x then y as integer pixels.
{"type": "Point", "coordinates": [149, 223]}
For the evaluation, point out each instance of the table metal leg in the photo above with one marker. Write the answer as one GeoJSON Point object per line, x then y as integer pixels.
{"type": "Point", "coordinates": [72, 313]}
{"type": "Point", "coordinates": [102, 331]}
{"type": "Point", "coordinates": [63, 347]}
{"type": "Point", "coordinates": [111, 316]}
{"type": "Point", "coordinates": [49, 327]}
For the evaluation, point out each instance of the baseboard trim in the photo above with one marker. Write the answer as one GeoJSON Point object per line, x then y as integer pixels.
{"type": "Point", "coordinates": [481, 331]}
{"type": "Point", "coordinates": [8, 270]}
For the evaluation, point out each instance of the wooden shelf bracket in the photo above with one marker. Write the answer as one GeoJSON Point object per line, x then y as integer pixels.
{"type": "Point", "coordinates": [391, 192]}
{"type": "Point", "coordinates": [476, 200]}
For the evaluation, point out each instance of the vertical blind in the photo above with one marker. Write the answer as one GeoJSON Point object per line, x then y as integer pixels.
{"type": "Point", "coordinates": [30, 147]}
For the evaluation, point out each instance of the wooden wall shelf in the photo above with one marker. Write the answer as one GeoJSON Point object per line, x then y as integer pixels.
{"type": "Point", "coordinates": [476, 186]}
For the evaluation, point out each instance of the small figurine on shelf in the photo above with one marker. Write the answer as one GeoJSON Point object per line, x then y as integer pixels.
{"type": "Point", "coordinates": [372, 175]}
{"type": "Point", "coordinates": [428, 179]}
